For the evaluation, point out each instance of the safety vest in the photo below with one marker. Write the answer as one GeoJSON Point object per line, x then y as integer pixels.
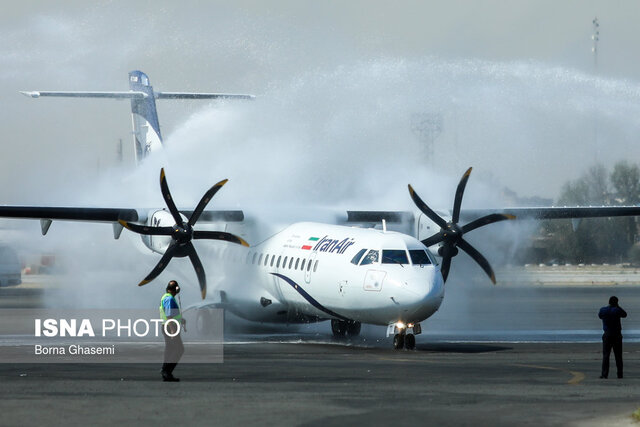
{"type": "Point", "coordinates": [163, 315]}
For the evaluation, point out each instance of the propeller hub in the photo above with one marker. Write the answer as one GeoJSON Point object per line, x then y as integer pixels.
{"type": "Point", "coordinates": [183, 233]}
{"type": "Point", "coordinates": [452, 233]}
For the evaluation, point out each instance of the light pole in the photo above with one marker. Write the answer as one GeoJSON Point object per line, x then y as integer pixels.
{"type": "Point", "coordinates": [595, 37]}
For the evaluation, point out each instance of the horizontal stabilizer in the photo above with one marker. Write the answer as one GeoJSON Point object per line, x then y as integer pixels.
{"type": "Point", "coordinates": [84, 94]}
{"type": "Point", "coordinates": [194, 95]}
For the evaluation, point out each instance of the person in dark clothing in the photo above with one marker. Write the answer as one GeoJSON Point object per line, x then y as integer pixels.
{"type": "Point", "coordinates": [612, 337]}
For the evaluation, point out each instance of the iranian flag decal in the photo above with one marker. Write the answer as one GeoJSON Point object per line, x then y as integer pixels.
{"type": "Point", "coordinates": [309, 244]}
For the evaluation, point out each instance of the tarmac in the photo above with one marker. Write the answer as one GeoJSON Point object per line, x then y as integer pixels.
{"type": "Point", "coordinates": [330, 384]}
{"type": "Point", "coordinates": [504, 355]}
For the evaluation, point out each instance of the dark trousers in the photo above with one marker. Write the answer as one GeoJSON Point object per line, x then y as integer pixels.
{"type": "Point", "coordinates": [611, 341]}
{"type": "Point", "coordinates": [173, 349]}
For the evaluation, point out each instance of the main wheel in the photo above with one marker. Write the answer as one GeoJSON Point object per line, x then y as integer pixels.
{"type": "Point", "coordinates": [410, 342]}
{"type": "Point", "coordinates": [339, 328]}
{"type": "Point", "coordinates": [398, 341]}
{"type": "Point", "coordinates": [353, 329]}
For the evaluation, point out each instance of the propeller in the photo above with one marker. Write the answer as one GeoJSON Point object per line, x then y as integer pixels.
{"type": "Point", "coordinates": [451, 233]}
{"type": "Point", "coordinates": [182, 233]}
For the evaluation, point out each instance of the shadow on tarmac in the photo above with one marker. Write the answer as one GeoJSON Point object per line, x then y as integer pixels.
{"type": "Point", "coordinates": [460, 348]}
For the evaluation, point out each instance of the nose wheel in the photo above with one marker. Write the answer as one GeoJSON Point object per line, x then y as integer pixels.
{"type": "Point", "coordinates": [410, 342]}
{"type": "Point", "coordinates": [404, 340]}
{"type": "Point", "coordinates": [398, 341]}
{"type": "Point", "coordinates": [405, 334]}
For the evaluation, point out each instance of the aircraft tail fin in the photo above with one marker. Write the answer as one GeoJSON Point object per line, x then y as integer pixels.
{"type": "Point", "coordinates": [147, 136]}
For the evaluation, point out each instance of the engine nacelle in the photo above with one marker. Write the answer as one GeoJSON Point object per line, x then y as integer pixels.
{"type": "Point", "coordinates": [159, 218]}
{"type": "Point", "coordinates": [427, 228]}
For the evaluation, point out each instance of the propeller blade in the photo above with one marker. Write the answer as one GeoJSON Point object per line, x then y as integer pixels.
{"type": "Point", "coordinates": [459, 193]}
{"type": "Point", "coordinates": [446, 264]}
{"type": "Point", "coordinates": [477, 257]}
{"type": "Point", "coordinates": [426, 209]}
{"type": "Point", "coordinates": [436, 238]}
{"type": "Point", "coordinates": [197, 265]}
{"type": "Point", "coordinates": [220, 235]}
{"type": "Point", "coordinates": [204, 201]}
{"type": "Point", "coordinates": [146, 230]}
{"type": "Point", "coordinates": [486, 220]}
{"type": "Point", "coordinates": [168, 199]}
{"type": "Point", "coordinates": [161, 265]}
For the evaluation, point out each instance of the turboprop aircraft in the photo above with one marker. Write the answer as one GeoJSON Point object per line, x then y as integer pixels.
{"type": "Point", "coordinates": [348, 272]}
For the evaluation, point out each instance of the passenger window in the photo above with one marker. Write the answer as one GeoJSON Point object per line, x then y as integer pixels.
{"type": "Point", "coordinates": [253, 261]}
{"type": "Point", "coordinates": [419, 257]}
{"type": "Point", "coordinates": [297, 262]}
{"type": "Point", "coordinates": [370, 258]}
{"type": "Point", "coordinates": [309, 266]}
{"type": "Point", "coordinates": [284, 262]}
{"type": "Point", "coordinates": [356, 258]}
{"type": "Point", "coordinates": [266, 259]}
{"type": "Point", "coordinates": [273, 258]}
{"type": "Point", "coordinates": [302, 265]}
{"type": "Point", "coordinates": [278, 263]}
{"type": "Point", "coordinates": [290, 263]}
{"type": "Point", "coordinates": [315, 266]}
{"type": "Point", "coordinates": [260, 259]}
{"type": "Point", "coordinates": [394, 256]}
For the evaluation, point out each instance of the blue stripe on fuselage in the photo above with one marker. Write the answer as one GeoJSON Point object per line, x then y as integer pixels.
{"type": "Point", "coordinates": [308, 297]}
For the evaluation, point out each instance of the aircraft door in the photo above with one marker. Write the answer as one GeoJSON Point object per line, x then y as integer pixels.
{"type": "Point", "coordinates": [280, 268]}
{"type": "Point", "coordinates": [309, 267]}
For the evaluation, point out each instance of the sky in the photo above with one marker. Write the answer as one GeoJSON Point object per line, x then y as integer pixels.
{"type": "Point", "coordinates": [512, 88]}
{"type": "Point", "coordinates": [419, 90]}
{"type": "Point", "coordinates": [354, 100]}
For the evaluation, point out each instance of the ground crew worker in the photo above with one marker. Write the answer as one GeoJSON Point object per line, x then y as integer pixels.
{"type": "Point", "coordinates": [612, 337]}
{"type": "Point", "coordinates": [169, 309]}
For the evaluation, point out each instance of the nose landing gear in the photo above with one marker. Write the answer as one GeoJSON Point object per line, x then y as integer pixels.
{"type": "Point", "coordinates": [405, 335]}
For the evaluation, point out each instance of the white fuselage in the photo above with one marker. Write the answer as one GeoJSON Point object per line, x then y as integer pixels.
{"type": "Point", "coordinates": [307, 272]}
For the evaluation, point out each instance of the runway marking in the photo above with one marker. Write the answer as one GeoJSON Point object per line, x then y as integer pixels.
{"type": "Point", "coordinates": [576, 378]}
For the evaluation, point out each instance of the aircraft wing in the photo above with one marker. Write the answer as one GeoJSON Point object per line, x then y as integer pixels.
{"type": "Point", "coordinates": [69, 213]}
{"type": "Point", "coordinates": [519, 213]}
{"type": "Point", "coordinates": [374, 217]}
{"type": "Point", "coordinates": [557, 212]}
{"type": "Point", "coordinates": [47, 214]}
{"type": "Point", "coordinates": [106, 214]}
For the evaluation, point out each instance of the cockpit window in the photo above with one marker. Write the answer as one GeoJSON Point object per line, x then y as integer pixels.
{"type": "Point", "coordinates": [394, 256]}
{"type": "Point", "coordinates": [356, 259]}
{"type": "Point", "coordinates": [419, 257]}
{"type": "Point", "coordinates": [370, 258]}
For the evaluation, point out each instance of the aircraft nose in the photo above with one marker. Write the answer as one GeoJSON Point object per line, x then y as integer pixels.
{"type": "Point", "coordinates": [424, 292]}
{"type": "Point", "coordinates": [426, 285]}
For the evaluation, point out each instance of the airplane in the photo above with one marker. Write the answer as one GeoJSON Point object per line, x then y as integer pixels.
{"type": "Point", "coordinates": [372, 267]}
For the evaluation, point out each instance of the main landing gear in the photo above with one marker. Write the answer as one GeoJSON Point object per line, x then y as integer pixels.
{"type": "Point", "coordinates": [344, 328]}
{"type": "Point", "coordinates": [405, 335]}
